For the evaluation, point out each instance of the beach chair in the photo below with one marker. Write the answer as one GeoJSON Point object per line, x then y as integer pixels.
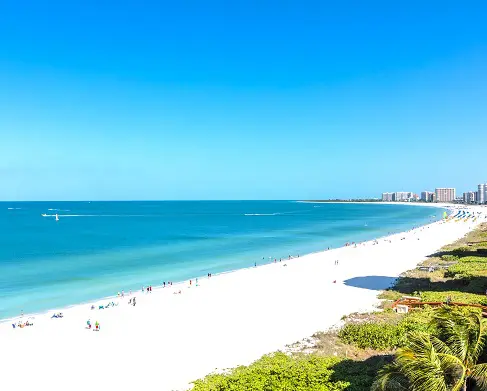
{"type": "Point", "coordinates": [100, 307]}
{"type": "Point", "coordinates": [13, 325]}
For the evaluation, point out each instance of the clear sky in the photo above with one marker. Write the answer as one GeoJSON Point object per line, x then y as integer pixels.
{"type": "Point", "coordinates": [240, 99]}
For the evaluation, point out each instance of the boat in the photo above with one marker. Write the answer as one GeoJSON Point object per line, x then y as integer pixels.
{"type": "Point", "coordinates": [57, 217]}
{"type": "Point", "coordinates": [43, 215]}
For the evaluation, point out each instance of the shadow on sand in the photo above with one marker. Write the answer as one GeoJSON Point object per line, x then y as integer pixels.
{"type": "Point", "coordinates": [374, 283]}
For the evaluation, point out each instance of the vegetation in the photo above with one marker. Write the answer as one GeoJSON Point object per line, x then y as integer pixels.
{"type": "Point", "coordinates": [384, 335]}
{"type": "Point", "coordinates": [279, 372]}
{"type": "Point", "coordinates": [448, 362]}
{"type": "Point", "coordinates": [427, 349]}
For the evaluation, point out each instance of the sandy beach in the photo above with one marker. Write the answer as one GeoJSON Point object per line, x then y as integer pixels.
{"type": "Point", "coordinates": [167, 340]}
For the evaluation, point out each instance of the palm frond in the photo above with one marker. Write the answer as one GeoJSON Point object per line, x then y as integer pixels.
{"type": "Point", "coordinates": [421, 364]}
{"type": "Point", "coordinates": [479, 336]}
{"type": "Point", "coordinates": [479, 373]}
{"type": "Point", "coordinates": [390, 378]}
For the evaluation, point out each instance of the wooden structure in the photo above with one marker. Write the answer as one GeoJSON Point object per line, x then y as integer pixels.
{"type": "Point", "coordinates": [415, 302]}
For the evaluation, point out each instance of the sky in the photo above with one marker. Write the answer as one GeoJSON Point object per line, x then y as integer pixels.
{"type": "Point", "coordinates": [181, 100]}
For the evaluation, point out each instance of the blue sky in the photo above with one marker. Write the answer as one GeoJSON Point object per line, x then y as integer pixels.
{"type": "Point", "coordinates": [240, 99]}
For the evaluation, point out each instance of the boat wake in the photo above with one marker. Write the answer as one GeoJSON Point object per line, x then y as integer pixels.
{"type": "Point", "coordinates": [91, 215]}
{"type": "Point", "coordinates": [262, 214]}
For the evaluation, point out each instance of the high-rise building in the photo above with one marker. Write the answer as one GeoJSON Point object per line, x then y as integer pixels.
{"type": "Point", "coordinates": [445, 194]}
{"type": "Point", "coordinates": [470, 197]}
{"type": "Point", "coordinates": [402, 196]}
{"type": "Point", "coordinates": [387, 197]}
{"type": "Point", "coordinates": [482, 194]}
{"type": "Point", "coordinates": [426, 196]}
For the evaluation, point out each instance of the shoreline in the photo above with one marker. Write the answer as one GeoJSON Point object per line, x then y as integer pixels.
{"type": "Point", "coordinates": [97, 301]}
{"type": "Point", "coordinates": [231, 319]}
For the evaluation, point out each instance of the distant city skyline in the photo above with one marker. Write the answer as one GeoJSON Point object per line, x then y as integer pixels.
{"type": "Point", "coordinates": [440, 194]}
{"type": "Point", "coordinates": [224, 100]}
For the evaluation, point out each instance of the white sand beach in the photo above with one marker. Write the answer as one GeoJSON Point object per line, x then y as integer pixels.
{"type": "Point", "coordinates": [168, 340]}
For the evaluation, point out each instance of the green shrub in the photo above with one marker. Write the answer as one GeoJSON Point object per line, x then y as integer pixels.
{"type": "Point", "coordinates": [467, 269]}
{"type": "Point", "coordinates": [456, 296]}
{"type": "Point", "coordinates": [384, 335]}
{"type": "Point", "coordinates": [277, 372]}
{"type": "Point", "coordinates": [449, 258]}
{"type": "Point", "coordinates": [473, 259]}
{"type": "Point", "coordinates": [378, 336]}
{"type": "Point", "coordinates": [460, 250]}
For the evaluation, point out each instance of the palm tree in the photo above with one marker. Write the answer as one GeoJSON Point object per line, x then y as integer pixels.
{"type": "Point", "coordinates": [447, 362]}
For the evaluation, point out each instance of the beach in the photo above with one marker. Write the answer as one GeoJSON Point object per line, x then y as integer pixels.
{"type": "Point", "coordinates": [169, 338]}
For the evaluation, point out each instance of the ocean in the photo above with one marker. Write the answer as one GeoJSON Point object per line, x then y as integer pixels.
{"type": "Point", "coordinates": [97, 249]}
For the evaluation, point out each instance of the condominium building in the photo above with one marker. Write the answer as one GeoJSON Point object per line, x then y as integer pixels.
{"type": "Point", "coordinates": [482, 194]}
{"type": "Point", "coordinates": [402, 196]}
{"type": "Point", "coordinates": [427, 196]}
{"type": "Point", "coordinates": [445, 194]}
{"type": "Point", "coordinates": [387, 197]}
{"type": "Point", "coordinates": [470, 197]}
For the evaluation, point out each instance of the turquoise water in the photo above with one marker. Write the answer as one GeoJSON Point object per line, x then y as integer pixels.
{"type": "Point", "coordinates": [99, 248]}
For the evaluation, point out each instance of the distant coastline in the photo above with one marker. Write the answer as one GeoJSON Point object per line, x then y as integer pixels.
{"type": "Point", "coordinates": [349, 200]}
{"type": "Point", "coordinates": [379, 201]}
